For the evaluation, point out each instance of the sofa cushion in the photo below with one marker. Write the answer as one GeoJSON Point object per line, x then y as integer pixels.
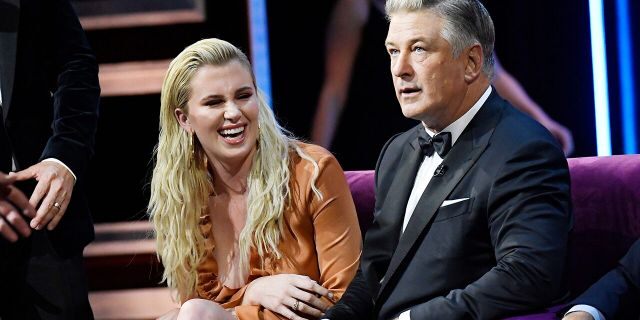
{"type": "Point", "coordinates": [362, 187]}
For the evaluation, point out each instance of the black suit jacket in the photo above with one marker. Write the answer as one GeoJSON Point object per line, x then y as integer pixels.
{"type": "Point", "coordinates": [50, 91]}
{"type": "Point", "coordinates": [501, 252]}
{"type": "Point", "coordinates": [616, 294]}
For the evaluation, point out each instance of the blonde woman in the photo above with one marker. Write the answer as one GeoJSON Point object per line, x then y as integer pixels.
{"type": "Point", "coordinates": [250, 223]}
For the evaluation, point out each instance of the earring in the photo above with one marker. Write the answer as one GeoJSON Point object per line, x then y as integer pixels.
{"type": "Point", "coordinates": [192, 149]}
{"type": "Point", "coordinates": [258, 136]}
{"type": "Point", "coordinates": [192, 144]}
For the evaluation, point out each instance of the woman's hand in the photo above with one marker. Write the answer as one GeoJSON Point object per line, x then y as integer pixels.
{"type": "Point", "coordinates": [562, 134]}
{"type": "Point", "coordinates": [288, 294]}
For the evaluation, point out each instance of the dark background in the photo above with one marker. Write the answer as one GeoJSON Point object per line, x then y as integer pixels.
{"type": "Point", "coordinates": [544, 44]}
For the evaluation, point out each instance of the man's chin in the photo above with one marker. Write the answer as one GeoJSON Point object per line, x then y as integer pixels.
{"type": "Point", "coordinates": [412, 112]}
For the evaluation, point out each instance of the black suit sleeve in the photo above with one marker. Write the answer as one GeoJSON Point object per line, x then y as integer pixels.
{"type": "Point", "coordinates": [358, 301]}
{"type": "Point", "coordinates": [74, 83]}
{"type": "Point", "coordinates": [528, 216]}
{"type": "Point", "coordinates": [618, 290]}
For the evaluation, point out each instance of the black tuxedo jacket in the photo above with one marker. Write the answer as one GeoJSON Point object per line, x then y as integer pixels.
{"type": "Point", "coordinates": [50, 95]}
{"type": "Point", "coordinates": [501, 252]}
{"type": "Point", "coordinates": [616, 294]}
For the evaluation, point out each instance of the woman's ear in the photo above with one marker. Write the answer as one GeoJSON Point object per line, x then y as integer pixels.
{"type": "Point", "coordinates": [182, 118]}
{"type": "Point", "coordinates": [475, 59]}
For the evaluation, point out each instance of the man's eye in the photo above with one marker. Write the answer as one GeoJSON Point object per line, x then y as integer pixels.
{"type": "Point", "coordinates": [393, 52]}
{"type": "Point", "coordinates": [419, 49]}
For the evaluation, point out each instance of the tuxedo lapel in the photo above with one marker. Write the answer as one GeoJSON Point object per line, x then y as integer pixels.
{"type": "Point", "coordinates": [396, 203]}
{"type": "Point", "coordinates": [9, 19]}
{"type": "Point", "coordinates": [382, 239]}
{"type": "Point", "coordinates": [458, 161]}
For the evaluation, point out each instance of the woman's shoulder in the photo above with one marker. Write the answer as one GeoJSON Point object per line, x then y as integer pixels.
{"type": "Point", "coordinates": [323, 158]}
{"type": "Point", "coordinates": [316, 152]}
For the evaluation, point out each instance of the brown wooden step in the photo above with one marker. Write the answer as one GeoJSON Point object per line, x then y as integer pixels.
{"type": "Point", "coordinates": [132, 78]}
{"type": "Point", "coordinates": [123, 256]}
{"type": "Point", "coordinates": [133, 304]}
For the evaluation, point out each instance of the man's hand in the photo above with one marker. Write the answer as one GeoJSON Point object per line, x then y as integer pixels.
{"type": "Point", "coordinates": [12, 200]}
{"type": "Point", "coordinates": [52, 193]}
{"type": "Point", "coordinates": [578, 315]}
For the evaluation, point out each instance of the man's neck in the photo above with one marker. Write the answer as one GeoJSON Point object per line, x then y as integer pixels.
{"type": "Point", "coordinates": [472, 95]}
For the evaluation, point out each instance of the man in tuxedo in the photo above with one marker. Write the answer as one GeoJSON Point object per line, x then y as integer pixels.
{"type": "Point", "coordinates": [49, 96]}
{"type": "Point", "coordinates": [614, 296]}
{"type": "Point", "coordinates": [472, 210]}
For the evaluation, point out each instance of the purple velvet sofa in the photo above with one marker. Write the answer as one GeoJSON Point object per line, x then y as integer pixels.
{"type": "Point", "coordinates": [605, 193]}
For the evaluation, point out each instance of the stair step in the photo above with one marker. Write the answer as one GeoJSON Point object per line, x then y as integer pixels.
{"type": "Point", "coordinates": [101, 14]}
{"type": "Point", "coordinates": [145, 19]}
{"type": "Point", "coordinates": [132, 78]}
{"type": "Point", "coordinates": [124, 252]}
{"type": "Point", "coordinates": [134, 304]}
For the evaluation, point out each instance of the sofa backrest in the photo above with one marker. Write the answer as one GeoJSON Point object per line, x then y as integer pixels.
{"type": "Point", "coordinates": [605, 193]}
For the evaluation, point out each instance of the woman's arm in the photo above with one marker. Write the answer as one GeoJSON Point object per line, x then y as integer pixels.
{"type": "Point", "coordinates": [344, 33]}
{"type": "Point", "coordinates": [337, 232]}
{"type": "Point", "coordinates": [510, 89]}
{"type": "Point", "coordinates": [337, 245]}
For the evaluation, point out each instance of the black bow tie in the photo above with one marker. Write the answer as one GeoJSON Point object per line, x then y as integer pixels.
{"type": "Point", "coordinates": [440, 143]}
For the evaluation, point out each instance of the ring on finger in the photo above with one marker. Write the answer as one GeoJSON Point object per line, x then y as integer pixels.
{"type": "Point", "coordinates": [57, 205]}
{"type": "Point", "coordinates": [296, 305]}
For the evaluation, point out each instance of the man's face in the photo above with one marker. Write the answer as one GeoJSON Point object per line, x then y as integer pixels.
{"type": "Point", "coordinates": [429, 82]}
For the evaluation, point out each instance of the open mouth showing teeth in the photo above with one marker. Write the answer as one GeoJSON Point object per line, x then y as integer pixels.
{"type": "Point", "coordinates": [232, 133]}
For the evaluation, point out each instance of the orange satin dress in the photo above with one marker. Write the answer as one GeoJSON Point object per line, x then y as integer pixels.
{"type": "Point", "coordinates": [321, 239]}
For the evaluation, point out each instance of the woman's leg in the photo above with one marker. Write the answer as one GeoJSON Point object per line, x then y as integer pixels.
{"type": "Point", "coordinates": [202, 309]}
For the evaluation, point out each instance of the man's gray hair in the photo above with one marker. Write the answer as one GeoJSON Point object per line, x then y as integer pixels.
{"type": "Point", "coordinates": [466, 22]}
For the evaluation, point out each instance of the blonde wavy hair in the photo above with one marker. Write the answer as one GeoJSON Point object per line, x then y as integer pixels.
{"type": "Point", "coordinates": [182, 183]}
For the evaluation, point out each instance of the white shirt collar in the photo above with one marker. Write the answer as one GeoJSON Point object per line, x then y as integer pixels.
{"type": "Point", "coordinates": [461, 123]}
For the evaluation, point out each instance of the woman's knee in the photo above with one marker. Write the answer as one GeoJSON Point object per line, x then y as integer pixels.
{"type": "Point", "coordinates": [200, 309]}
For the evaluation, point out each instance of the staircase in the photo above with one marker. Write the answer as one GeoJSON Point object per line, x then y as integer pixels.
{"type": "Point", "coordinates": [124, 273]}
{"type": "Point", "coordinates": [134, 41]}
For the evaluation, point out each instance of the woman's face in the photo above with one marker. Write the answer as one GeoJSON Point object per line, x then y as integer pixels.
{"type": "Point", "coordinates": [223, 112]}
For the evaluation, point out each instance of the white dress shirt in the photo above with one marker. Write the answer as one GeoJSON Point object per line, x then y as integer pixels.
{"type": "Point", "coordinates": [430, 163]}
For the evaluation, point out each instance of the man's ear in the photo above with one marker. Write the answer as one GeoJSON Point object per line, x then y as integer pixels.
{"type": "Point", "coordinates": [182, 118]}
{"type": "Point", "coordinates": [474, 63]}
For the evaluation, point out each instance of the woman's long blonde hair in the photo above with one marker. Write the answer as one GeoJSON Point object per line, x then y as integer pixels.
{"type": "Point", "coordinates": [181, 182]}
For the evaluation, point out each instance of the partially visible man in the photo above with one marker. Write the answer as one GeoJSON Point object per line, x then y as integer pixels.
{"type": "Point", "coordinates": [49, 96]}
{"type": "Point", "coordinates": [615, 295]}
{"type": "Point", "coordinates": [13, 205]}
{"type": "Point", "coordinates": [472, 210]}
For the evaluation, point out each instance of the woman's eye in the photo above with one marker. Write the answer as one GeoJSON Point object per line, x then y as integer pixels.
{"type": "Point", "coordinates": [244, 96]}
{"type": "Point", "coordinates": [213, 103]}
